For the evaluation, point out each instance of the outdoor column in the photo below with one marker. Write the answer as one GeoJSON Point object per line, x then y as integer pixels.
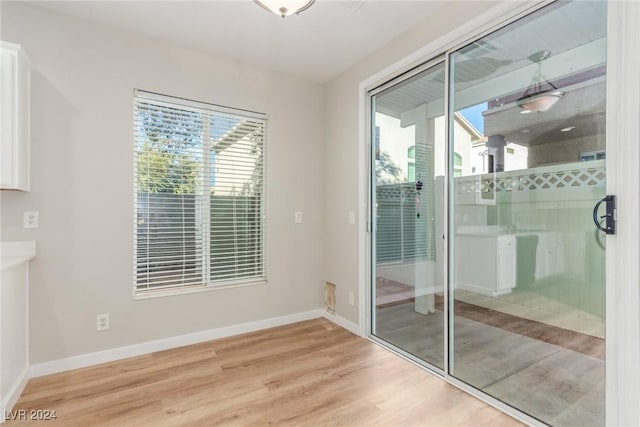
{"type": "Point", "coordinates": [423, 215]}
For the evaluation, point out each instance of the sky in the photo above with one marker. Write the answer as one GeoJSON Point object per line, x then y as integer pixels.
{"type": "Point", "coordinates": [473, 115]}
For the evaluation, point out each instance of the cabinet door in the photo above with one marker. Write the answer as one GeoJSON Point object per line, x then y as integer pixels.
{"type": "Point", "coordinates": [8, 75]}
{"type": "Point", "coordinates": [14, 118]}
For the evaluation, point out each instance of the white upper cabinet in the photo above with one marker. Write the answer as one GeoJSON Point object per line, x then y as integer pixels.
{"type": "Point", "coordinates": [15, 73]}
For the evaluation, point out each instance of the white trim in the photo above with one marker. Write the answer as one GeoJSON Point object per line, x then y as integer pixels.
{"type": "Point", "coordinates": [623, 249]}
{"type": "Point", "coordinates": [173, 291]}
{"type": "Point", "coordinates": [18, 48]}
{"type": "Point", "coordinates": [110, 355]}
{"type": "Point", "coordinates": [447, 229]}
{"type": "Point", "coordinates": [13, 394]}
{"type": "Point", "coordinates": [342, 322]}
{"type": "Point", "coordinates": [173, 101]}
{"type": "Point", "coordinates": [363, 204]}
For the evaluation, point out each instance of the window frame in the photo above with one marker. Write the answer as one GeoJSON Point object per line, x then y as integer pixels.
{"type": "Point", "coordinates": [208, 110]}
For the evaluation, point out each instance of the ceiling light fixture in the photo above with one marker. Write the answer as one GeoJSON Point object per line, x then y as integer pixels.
{"type": "Point", "coordinates": [285, 7]}
{"type": "Point", "coordinates": [541, 93]}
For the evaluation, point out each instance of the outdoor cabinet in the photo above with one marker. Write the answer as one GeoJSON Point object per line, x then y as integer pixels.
{"type": "Point", "coordinates": [14, 118]}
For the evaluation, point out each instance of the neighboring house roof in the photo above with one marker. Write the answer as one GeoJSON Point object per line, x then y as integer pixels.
{"type": "Point", "coordinates": [476, 136]}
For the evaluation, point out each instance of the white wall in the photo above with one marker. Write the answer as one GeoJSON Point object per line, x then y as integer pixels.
{"type": "Point", "coordinates": [395, 140]}
{"type": "Point", "coordinates": [567, 151]}
{"type": "Point", "coordinates": [82, 184]}
{"type": "Point", "coordinates": [342, 153]}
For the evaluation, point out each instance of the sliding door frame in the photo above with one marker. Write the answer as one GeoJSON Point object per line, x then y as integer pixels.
{"type": "Point", "coordinates": [441, 59]}
{"type": "Point", "coordinates": [623, 249]}
{"type": "Point", "coordinates": [623, 178]}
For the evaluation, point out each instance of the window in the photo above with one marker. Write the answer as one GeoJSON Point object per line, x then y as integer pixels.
{"type": "Point", "coordinates": [199, 195]}
{"type": "Point", "coordinates": [411, 164]}
{"type": "Point", "coordinates": [457, 165]}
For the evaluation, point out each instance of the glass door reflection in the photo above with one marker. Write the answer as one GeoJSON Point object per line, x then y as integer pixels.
{"type": "Point", "coordinates": [527, 263]}
{"type": "Point", "coordinates": [408, 189]}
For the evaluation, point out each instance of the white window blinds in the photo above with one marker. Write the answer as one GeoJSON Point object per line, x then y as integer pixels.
{"type": "Point", "coordinates": [199, 194]}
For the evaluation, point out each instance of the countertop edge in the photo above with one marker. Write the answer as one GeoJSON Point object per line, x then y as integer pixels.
{"type": "Point", "coordinates": [16, 253]}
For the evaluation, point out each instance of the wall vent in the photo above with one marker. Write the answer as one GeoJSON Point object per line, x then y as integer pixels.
{"type": "Point", "coordinates": [330, 297]}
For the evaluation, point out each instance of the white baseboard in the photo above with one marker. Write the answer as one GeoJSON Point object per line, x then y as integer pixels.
{"type": "Point", "coordinates": [341, 321]}
{"type": "Point", "coordinates": [90, 359]}
{"type": "Point", "coordinates": [13, 394]}
{"type": "Point", "coordinates": [480, 290]}
{"type": "Point", "coordinates": [105, 356]}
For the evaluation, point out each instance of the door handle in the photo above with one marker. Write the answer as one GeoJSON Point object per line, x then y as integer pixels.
{"type": "Point", "coordinates": [610, 214]}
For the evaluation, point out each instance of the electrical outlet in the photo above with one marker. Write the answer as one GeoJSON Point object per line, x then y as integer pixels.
{"type": "Point", "coordinates": [31, 219]}
{"type": "Point", "coordinates": [102, 322]}
{"type": "Point", "coordinates": [352, 298]}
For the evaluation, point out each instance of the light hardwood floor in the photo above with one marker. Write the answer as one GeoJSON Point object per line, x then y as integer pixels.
{"type": "Point", "coordinates": [309, 373]}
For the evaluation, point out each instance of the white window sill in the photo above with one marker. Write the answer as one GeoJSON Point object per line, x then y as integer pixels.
{"type": "Point", "coordinates": [160, 293]}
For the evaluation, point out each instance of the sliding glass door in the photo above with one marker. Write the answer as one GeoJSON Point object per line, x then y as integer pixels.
{"type": "Point", "coordinates": [528, 262]}
{"type": "Point", "coordinates": [408, 166]}
{"type": "Point", "coordinates": [506, 137]}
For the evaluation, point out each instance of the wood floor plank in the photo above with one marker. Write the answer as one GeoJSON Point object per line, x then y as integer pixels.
{"type": "Point", "coordinates": [305, 374]}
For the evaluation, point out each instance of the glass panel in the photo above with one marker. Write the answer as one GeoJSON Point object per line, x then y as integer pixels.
{"type": "Point", "coordinates": [528, 272]}
{"type": "Point", "coordinates": [409, 153]}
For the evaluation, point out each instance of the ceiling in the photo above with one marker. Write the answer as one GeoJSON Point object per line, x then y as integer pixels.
{"type": "Point", "coordinates": [581, 109]}
{"type": "Point", "coordinates": [318, 44]}
{"type": "Point", "coordinates": [498, 69]}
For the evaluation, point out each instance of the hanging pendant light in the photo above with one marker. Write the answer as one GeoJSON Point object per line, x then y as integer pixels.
{"type": "Point", "coordinates": [285, 7]}
{"type": "Point", "coordinates": [541, 94]}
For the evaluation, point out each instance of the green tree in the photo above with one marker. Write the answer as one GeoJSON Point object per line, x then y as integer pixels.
{"type": "Point", "coordinates": [162, 170]}
{"type": "Point", "coordinates": [387, 172]}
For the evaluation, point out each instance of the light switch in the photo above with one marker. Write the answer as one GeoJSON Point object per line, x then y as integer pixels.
{"type": "Point", "coordinates": [298, 217]}
{"type": "Point", "coordinates": [352, 217]}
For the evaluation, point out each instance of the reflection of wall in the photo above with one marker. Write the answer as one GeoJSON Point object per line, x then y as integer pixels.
{"type": "Point", "coordinates": [402, 235]}
{"type": "Point", "coordinates": [471, 215]}
{"type": "Point", "coordinates": [395, 140]}
{"type": "Point", "coordinates": [577, 247]}
{"type": "Point", "coordinates": [463, 143]}
{"type": "Point", "coordinates": [555, 204]}
{"type": "Point", "coordinates": [411, 273]}
{"type": "Point", "coordinates": [565, 151]}
{"type": "Point", "coordinates": [397, 137]}
{"type": "Point", "coordinates": [515, 157]}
